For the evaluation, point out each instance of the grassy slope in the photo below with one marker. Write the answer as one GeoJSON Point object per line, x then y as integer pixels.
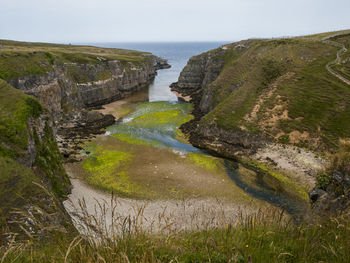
{"type": "Point", "coordinates": [251, 241]}
{"type": "Point", "coordinates": [344, 67]}
{"type": "Point", "coordinates": [18, 59]}
{"type": "Point", "coordinates": [15, 109]}
{"type": "Point", "coordinates": [16, 180]}
{"type": "Point", "coordinates": [316, 101]}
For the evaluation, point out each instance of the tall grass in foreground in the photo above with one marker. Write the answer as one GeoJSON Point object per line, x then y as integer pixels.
{"type": "Point", "coordinates": [267, 236]}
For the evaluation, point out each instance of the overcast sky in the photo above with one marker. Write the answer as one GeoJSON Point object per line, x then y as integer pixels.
{"type": "Point", "coordinates": [167, 20]}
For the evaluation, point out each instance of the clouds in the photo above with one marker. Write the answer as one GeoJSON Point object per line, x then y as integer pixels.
{"type": "Point", "coordinates": [167, 20]}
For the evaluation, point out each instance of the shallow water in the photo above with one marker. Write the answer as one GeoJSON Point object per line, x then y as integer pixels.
{"type": "Point", "coordinates": [151, 127]}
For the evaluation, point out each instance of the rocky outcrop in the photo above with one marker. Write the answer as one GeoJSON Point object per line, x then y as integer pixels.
{"type": "Point", "coordinates": [74, 131]}
{"type": "Point", "coordinates": [70, 87]}
{"type": "Point", "coordinates": [199, 72]}
{"type": "Point", "coordinates": [335, 198]}
{"type": "Point", "coordinates": [332, 192]}
{"type": "Point", "coordinates": [33, 181]}
{"type": "Point", "coordinates": [226, 143]}
{"type": "Point", "coordinates": [70, 90]}
{"type": "Point", "coordinates": [30, 161]}
{"type": "Point", "coordinates": [194, 81]}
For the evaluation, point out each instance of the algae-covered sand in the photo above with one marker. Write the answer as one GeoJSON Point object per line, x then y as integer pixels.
{"type": "Point", "coordinates": [140, 158]}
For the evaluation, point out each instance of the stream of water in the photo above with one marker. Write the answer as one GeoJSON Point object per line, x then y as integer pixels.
{"type": "Point", "coordinates": [148, 134]}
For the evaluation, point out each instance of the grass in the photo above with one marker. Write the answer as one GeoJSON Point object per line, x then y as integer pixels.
{"type": "Point", "coordinates": [15, 186]}
{"type": "Point", "coordinates": [20, 59]}
{"type": "Point", "coordinates": [17, 134]}
{"type": "Point", "coordinates": [315, 101]}
{"type": "Point", "coordinates": [340, 163]}
{"type": "Point", "coordinates": [15, 109]}
{"type": "Point", "coordinates": [49, 161]}
{"type": "Point", "coordinates": [255, 238]}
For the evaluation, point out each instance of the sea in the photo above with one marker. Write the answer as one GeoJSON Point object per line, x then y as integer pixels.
{"type": "Point", "coordinates": [177, 54]}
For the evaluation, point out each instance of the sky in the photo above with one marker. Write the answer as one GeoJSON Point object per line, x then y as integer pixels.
{"type": "Point", "coordinates": [73, 21]}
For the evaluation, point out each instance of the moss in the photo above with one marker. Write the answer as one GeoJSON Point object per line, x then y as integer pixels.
{"type": "Point", "coordinates": [181, 137]}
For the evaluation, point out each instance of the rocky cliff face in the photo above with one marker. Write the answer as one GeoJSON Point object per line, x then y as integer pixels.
{"type": "Point", "coordinates": [32, 179]}
{"type": "Point", "coordinates": [196, 80]}
{"type": "Point", "coordinates": [254, 91]}
{"type": "Point", "coordinates": [70, 87]}
{"type": "Point", "coordinates": [199, 72]}
{"type": "Point", "coordinates": [256, 95]}
{"type": "Point", "coordinates": [70, 90]}
{"type": "Point", "coordinates": [68, 81]}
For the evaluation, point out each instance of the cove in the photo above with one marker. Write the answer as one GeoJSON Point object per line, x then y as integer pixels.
{"type": "Point", "coordinates": [144, 156]}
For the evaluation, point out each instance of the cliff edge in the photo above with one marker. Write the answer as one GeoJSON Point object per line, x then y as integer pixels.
{"type": "Point", "coordinates": [276, 101]}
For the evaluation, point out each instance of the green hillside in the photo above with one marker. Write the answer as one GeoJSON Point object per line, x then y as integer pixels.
{"type": "Point", "coordinates": [281, 87]}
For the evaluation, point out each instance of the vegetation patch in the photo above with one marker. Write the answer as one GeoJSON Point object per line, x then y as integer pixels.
{"type": "Point", "coordinates": [204, 161]}
{"type": "Point", "coordinates": [311, 100]}
{"type": "Point", "coordinates": [20, 59]}
{"type": "Point", "coordinates": [251, 240]}
{"type": "Point", "coordinates": [340, 163]}
{"type": "Point", "coordinates": [161, 114]}
{"type": "Point", "coordinates": [108, 170]}
{"type": "Point", "coordinates": [287, 182]}
{"type": "Point", "coordinates": [133, 139]}
{"type": "Point", "coordinates": [16, 185]}
{"type": "Point", "coordinates": [19, 64]}
{"type": "Point", "coordinates": [49, 160]}
{"type": "Point", "coordinates": [15, 109]}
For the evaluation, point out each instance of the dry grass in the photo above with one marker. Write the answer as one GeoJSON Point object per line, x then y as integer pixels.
{"type": "Point", "coordinates": [266, 236]}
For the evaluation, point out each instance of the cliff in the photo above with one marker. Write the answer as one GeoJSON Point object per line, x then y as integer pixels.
{"type": "Point", "coordinates": [47, 92]}
{"type": "Point", "coordinates": [271, 100]}
{"type": "Point", "coordinates": [32, 179]}
{"type": "Point", "coordinates": [71, 80]}
{"type": "Point", "coordinates": [254, 91]}
{"type": "Point", "coordinates": [67, 78]}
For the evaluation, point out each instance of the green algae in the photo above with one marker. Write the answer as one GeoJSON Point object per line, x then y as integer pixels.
{"type": "Point", "coordinates": [204, 161]}
{"type": "Point", "coordinates": [132, 139]}
{"type": "Point", "coordinates": [104, 162]}
{"type": "Point", "coordinates": [287, 182]}
{"type": "Point", "coordinates": [181, 137]}
{"type": "Point", "coordinates": [161, 116]}
{"type": "Point", "coordinates": [128, 138]}
{"type": "Point", "coordinates": [108, 170]}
